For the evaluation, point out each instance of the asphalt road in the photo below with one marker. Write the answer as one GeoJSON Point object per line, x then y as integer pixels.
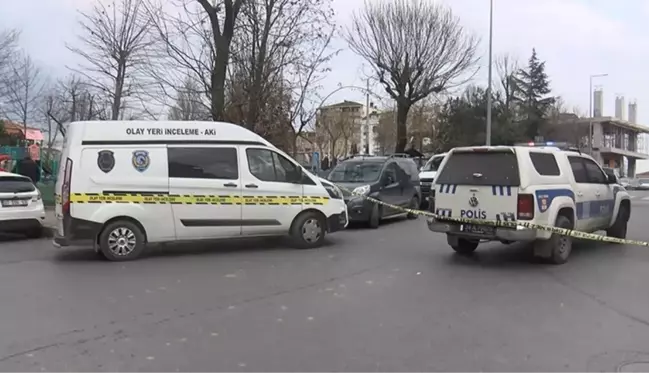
{"type": "Point", "coordinates": [392, 299]}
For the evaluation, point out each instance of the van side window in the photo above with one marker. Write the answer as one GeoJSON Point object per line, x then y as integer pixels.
{"type": "Point", "coordinates": [266, 165]}
{"type": "Point", "coordinates": [390, 173]}
{"type": "Point", "coordinates": [203, 163]}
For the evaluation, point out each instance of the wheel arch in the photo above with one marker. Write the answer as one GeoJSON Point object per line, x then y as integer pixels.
{"type": "Point", "coordinates": [119, 218]}
{"type": "Point", "coordinates": [306, 211]}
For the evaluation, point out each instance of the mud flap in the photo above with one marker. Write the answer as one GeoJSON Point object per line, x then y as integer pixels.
{"type": "Point", "coordinates": [543, 248]}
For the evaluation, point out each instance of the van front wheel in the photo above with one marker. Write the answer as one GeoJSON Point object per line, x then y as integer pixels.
{"type": "Point", "coordinates": [308, 231]}
{"type": "Point", "coordinates": [121, 241]}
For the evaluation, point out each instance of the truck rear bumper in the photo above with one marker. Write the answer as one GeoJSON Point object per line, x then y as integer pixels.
{"type": "Point", "coordinates": [500, 234]}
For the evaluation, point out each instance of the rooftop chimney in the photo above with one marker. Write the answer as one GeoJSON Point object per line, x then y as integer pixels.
{"type": "Point", "coordinates": [633, 112]}
{"type": "Point", "coordinates": [620, 108]}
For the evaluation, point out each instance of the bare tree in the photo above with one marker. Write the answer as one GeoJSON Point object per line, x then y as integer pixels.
{"type": "Point", "coordinates": [507, 67]}
{"type": "Point", "coordinates": [25, 87]}
{"type": "Point", "coordinates": [114, 45]}
{"type": "Point", "coordinates": [189, 104]}
{"type": "Point", "coordinates": [195, 42]}
{"type": "Point", "coordinates": [283, 41]}
{"type": "Point", "coordinates": [416, 48]}
{"type": "Point", "coordinates": [8, 53]}
{"type": "Point", "coordinates": [72, 99]}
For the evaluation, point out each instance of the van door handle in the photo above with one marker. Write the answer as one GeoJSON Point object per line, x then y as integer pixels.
{"type": "Point", "coordinates": [251, 186]}
{"type": "Point", "coordinates": [230, 185]}
{"type": "Point", "coordinates": [580, 194]}
{"type": "Point", "coordinates": [597, 194]}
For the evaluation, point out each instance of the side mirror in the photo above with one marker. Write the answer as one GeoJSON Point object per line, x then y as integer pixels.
{"type": "Point", "coordinates": [611, 179]}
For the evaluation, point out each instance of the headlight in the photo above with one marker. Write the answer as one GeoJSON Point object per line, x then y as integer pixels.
{"type": "Point", "coordinates": [361, 190]}
{"type": "Point", "coordinates": [334, 192]}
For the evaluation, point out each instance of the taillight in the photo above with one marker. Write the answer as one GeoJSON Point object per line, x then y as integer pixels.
{"type": "Point", "coordinates": [525, 206]}
{"type": "Point", "coordinates": [65, 188]}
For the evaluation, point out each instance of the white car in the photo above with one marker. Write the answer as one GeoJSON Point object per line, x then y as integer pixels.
{"type": "Point", "coordinates": [542, 185]}
{"type": "Point", "coordinates": [21, 206]}
{"type": "Point", "coordinates": [427, 178]}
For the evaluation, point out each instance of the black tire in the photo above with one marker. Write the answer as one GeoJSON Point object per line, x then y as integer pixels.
{"type": "Point", "coordinates": [618, 230]}
{"type": "Point", "coordinates": [557, 248]}
{"type": "Point", "coordinates": [414, 205]}
{"type": "Point", "coordinates": [34, 233]}
{"type": "Point", "coordinates": [465, 247]}
{"type": "Point", "coordinates": [308, 230]}
{"type": "Point", "coordinates": [122, 240]}
{"type": "Point", "coordinates": [375, 217]}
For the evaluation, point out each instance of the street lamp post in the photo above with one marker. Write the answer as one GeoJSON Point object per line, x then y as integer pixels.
{"type": "Point", "coordinates": [491, 24]}
{"type": "Point", "coordinates": [591, 111]}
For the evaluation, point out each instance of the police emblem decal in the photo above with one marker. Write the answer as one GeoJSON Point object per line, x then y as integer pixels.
{"type": "Point", "coordinates": [141, 160]}
{"type": "Point", "coordinates": [473, 201]}
{"type": "Point", "coordinates": [106, 160]}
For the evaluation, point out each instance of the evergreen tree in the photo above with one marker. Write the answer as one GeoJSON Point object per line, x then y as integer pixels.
{"type": "Point", "coordinates": [532, 89]}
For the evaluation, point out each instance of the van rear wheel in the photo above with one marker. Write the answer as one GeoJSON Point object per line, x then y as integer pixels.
{"type": "Point", "coordinates": [121, 241]}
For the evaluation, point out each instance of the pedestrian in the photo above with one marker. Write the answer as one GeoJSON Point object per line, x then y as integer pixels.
{"type": "Point", "coordinates": [325, 163]}
{"type": "Point", "coordinates": [28, 168]}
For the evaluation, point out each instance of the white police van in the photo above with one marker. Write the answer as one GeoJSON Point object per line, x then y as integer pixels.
{"type": "Point", "coordinates": [544, 185]}
{"type": "Point", "coordinates": [123, 184]}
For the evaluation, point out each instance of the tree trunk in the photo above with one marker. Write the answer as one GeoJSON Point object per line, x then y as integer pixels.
{"type": "Point", "coordinates": [119, 87]}
{"type": "Point", "coordinates": [402, 117]}
{"type": "Point", "coordinates": [218, 84]}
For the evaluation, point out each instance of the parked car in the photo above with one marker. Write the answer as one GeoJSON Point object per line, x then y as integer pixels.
{"type": "Point", "coordinates": [625, 182]}
{"type": "Point", "coordinates": [21, 206]}
{"type": "Point", "coordinates": [392, 179]}
{"type": "Point", "coordinates": [642, 184]}
{"type": "Point", "coordinates": [427, 178]}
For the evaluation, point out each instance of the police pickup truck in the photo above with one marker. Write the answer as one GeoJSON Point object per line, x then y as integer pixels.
{"type": "Point", "coordinates": [545, 185]}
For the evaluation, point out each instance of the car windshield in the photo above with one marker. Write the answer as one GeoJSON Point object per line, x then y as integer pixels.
{"type": "Point", "coordinates": [643, 181]}
{"type": "Point", "coordinates": [356, 172]}
{"type": "Point", "coordinates": [433, 164]}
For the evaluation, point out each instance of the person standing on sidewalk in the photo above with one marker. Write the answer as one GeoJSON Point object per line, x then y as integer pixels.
{"type": "Point", "coordinates": [29, 168]}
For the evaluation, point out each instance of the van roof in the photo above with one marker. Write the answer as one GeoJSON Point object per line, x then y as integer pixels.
{"type": "Point", "coordinates": [115, 132]}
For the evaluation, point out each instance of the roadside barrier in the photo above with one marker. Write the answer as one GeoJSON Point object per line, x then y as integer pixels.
{"type": "Point", "coordinates": [504, 224]}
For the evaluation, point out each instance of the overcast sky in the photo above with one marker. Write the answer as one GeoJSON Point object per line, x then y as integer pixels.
{"type": "Point", "coordinates": [576, 38]}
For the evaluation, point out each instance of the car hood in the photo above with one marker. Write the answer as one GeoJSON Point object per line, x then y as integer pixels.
{"type": "Point", "coordinates": [347, 187]}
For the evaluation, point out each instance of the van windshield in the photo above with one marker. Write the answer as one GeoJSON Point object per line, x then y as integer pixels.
{"type": "Point", "coordinates": [356, 172]}
{"type": "Point", "coordinates": [433, 164]}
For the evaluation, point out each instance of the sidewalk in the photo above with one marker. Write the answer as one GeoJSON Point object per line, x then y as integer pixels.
{"type": "Point", "coordinates": [50, 222]}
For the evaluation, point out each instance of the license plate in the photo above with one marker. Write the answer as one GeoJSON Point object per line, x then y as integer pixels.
{"type": "Point", "coordinates": [477, 229]}
{"type": "Point", "coordinates": [14, 202]}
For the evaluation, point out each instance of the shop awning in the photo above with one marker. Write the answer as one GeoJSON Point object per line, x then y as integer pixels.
{"type": "Point", "coordinates": [34, 135]}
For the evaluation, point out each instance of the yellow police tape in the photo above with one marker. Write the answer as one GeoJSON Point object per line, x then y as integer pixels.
{"type": "Point", "coordinates": [193, 199]}
{"type": "Point", "coordinates": [505, 224]}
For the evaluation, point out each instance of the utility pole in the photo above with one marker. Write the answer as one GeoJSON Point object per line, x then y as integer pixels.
{"type": "Point", "coordinates": [491, 26]}
{"type": "Point", "coordinates": [367, 119]}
